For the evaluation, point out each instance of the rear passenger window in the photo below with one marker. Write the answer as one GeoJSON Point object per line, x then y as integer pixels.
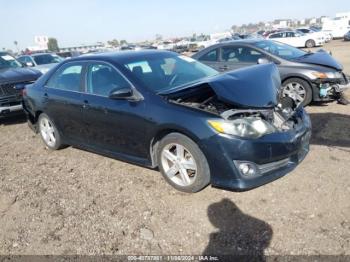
{"type": "Point", "coordinates": [68, 78]}
{"type": "Point", "coordinates": [211, 56]}
{"type": "Point", "coordinates": [279, 35]}
{"type": "Point", "coordinates": [231, 54]}
{"type": "Point", "coordinates": [237, 54]}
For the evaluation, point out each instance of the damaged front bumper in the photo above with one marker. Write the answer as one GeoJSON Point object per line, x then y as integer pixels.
{"type": "Point", "coordinates": [272, 156]}
{"type": "Point", "coordinates": [329, 89]}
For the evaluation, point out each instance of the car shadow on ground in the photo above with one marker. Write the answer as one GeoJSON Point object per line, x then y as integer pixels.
{"type": "Point", "coordinates": [330, 129]}
{"type": "Point", "coordinates": [13, 120]}
{"type": "Point", "coordinates": [238, 235]}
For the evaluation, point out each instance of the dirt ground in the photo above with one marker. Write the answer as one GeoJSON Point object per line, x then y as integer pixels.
{"type": "Point", "coordinates": [75, 202]}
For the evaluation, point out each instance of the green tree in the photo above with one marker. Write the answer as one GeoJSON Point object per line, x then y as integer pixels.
{"type": "Point", "coordinates": [123, 42]}
{"type": "Point", "coordinates": [52, 45]}
{"type": "Point", "coordinates": [16, 44]}
{"type": "Point", "coordinates": [113, 42]}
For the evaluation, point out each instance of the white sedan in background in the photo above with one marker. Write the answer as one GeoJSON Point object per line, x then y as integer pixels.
{"type": "Point", "coordinates": [297, 39]}
{"type": "Point", "coordinates": [327, 37]}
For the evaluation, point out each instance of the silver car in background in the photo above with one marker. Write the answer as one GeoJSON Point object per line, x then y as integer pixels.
{"type": "Point", "coordinates": [41, 61]}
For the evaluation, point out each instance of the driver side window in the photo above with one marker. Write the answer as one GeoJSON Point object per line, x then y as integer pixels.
{"type": "Point", "coordinates": [102, 79]}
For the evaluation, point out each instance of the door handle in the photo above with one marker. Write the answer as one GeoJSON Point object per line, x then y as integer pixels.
{"type": "Point", "coordinates": [46, 96]}
{"type": "Point", "coordinates": [224, 67]}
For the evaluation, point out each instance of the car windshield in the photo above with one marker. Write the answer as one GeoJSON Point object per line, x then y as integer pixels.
{"type": "Point", "coordinates": [281, 50]}
{"type": "Point", "coordinates": [47, 59]}
{"type": "Point", "coordinates": [163, 72]}
{"type": "Point", "coordinates": [7, 61]}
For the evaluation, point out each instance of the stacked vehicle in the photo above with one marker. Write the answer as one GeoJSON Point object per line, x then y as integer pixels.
{"type": "Point", "coordinates": [13, 78]}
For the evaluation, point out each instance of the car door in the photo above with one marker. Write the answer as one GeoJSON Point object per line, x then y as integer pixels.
{"type": "Point", "coordinates": [294, 39]}
{"type": "Point", "coordinates": [237, 56]}
{"type": "Point", "coordinates": [211, 58]}
{"type": "Point", "coordinates": [63, 102]}
{"type": "Point", "coordinates": [113, 125]}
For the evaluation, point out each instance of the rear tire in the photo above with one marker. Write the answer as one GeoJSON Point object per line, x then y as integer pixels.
{"type": "Point", "coordinates": [182, 163]}
{"type": "Point", "coordinates": [310, 43]}
{"type": "Point", "coordinates": [49, 133]}
{"type": "Point", "coordinates": [297, 89]}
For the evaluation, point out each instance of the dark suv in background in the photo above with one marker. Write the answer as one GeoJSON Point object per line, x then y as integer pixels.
{"type": "Point", "coordinates": [13, 78]}
{"type": "Point", "coordinates": [305, 76]}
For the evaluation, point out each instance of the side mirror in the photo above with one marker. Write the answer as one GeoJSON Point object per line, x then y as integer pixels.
{"type": "Point", "coordinates": [263, 60]}
{"type": "Point", "coordinates": [29, 64]}
{"type": "Point", "coordinates": [121, 93]}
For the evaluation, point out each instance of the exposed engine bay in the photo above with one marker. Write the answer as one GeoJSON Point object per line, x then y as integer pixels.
{"type": "Point", "coordinates": [283, 116]}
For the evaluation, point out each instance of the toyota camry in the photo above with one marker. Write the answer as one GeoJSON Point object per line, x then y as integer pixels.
{"type": "Point", "coordinates": [162, 110]}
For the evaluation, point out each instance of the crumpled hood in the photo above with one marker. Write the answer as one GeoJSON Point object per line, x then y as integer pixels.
{"type": "Point", "coordinates": [250, 87]}
{"type": "Point", "coordinates": [320, 58]}
{"type": "Point", "coordinates": [18, 75]}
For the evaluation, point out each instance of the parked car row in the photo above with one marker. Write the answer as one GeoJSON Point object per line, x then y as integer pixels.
{"type": "Point", "coordinates": [198, 124]}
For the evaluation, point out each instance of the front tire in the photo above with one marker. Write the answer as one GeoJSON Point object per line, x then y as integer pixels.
{"type": "Point", "coordinates": [297, 89]}
{"type": "Point", "coordinates": [310, 43]}
{"type": "Point", "coordinates": [182, 163]}
{"type": "Point", "coordinates": [49, 133]}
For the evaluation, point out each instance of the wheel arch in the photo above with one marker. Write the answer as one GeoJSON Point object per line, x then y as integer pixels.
{"type": "Point", "coordinates": [304, 78]}
{"type": "Point", "coordinates": [312, 40]}
{"type": "Point", "coordinates": [159, 135]}
{"type": "Point", "coordinates": [36, 116]}
{"type": "Point", "coordinates": [286, 78]}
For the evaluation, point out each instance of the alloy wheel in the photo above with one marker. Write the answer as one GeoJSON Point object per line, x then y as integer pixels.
{"type": "Point", "coordinates": [179, 164]}
{"type": "Point", "coordinates": [295, 91]}
{"type": "Point", "coordinates": [47, 132]}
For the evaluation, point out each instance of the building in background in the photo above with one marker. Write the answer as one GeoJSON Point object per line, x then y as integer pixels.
{"type": "Point", "coordinates": [344, 15]}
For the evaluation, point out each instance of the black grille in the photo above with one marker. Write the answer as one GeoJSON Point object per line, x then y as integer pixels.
{"type": "Point", "coordinates": [8, 90]}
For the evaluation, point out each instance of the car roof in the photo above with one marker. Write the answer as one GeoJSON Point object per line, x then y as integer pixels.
{"type": "Point", "coordinates": [123, 55]}
{"type": "Point", "coordinates": [39, 54]}
{"type": "Point", "coordinates": [238, 42]}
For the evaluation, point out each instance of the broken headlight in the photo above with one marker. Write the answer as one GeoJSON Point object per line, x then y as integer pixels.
{"type": "Point", "coordinates": [248, 127]}
{"type": "Point", "coordinates": [330, 75]}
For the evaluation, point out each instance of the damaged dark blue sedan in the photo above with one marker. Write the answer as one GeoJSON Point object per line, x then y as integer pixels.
{"type": "Point", "coordinates": [161, 109]}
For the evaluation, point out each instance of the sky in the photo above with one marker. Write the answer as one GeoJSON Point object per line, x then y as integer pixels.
{"type": "Point", "coordinates": [75, 22]}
